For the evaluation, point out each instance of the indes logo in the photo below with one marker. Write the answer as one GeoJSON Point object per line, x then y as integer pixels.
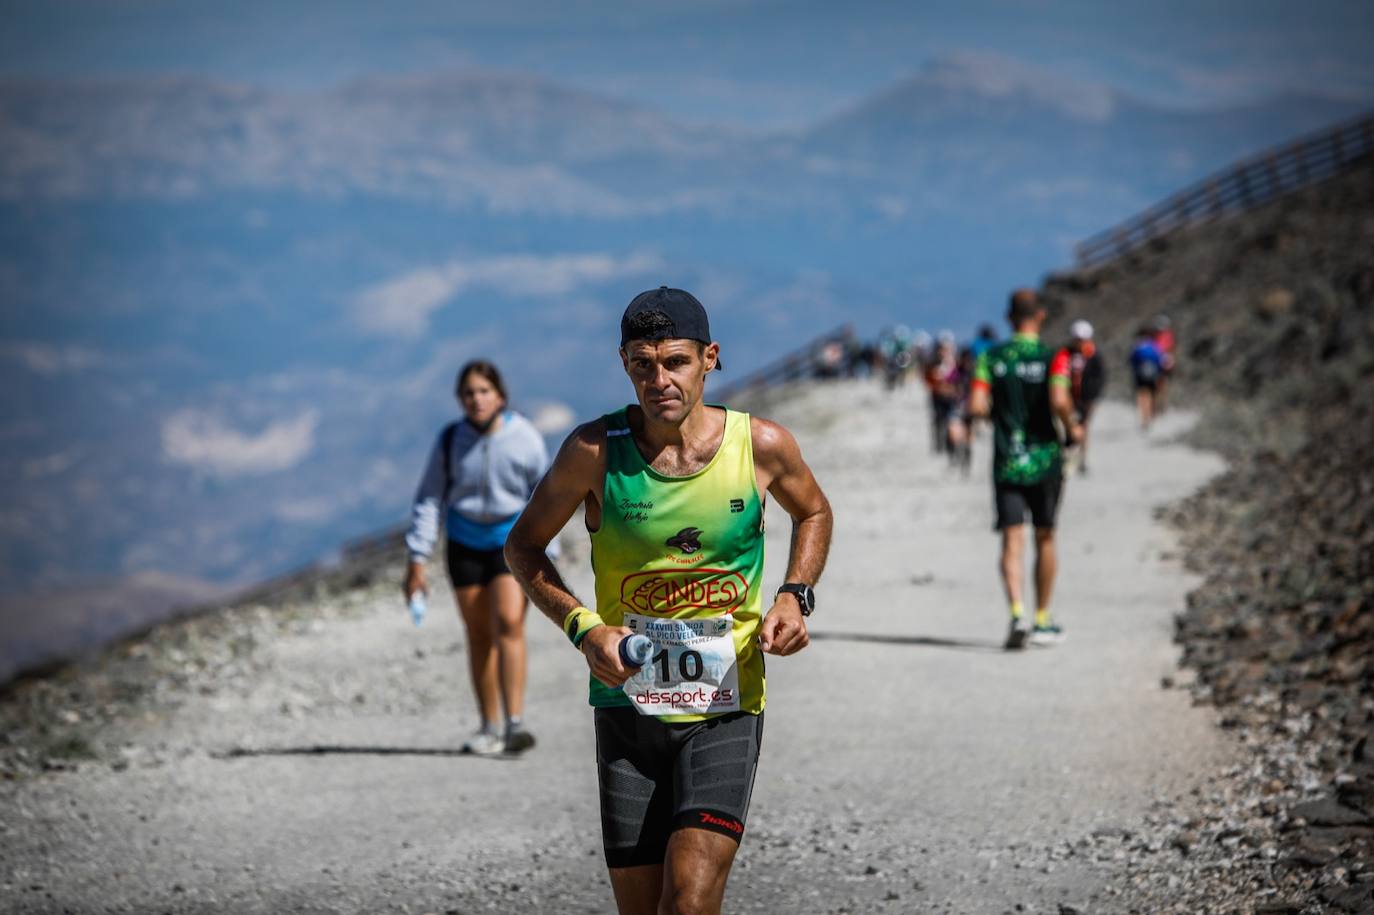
{"type": "Point", "coordinates": [669, 592]}
{"type": "Point", "coordinates": [688, 540]}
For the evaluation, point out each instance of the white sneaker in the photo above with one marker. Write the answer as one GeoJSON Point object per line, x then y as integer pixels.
{"type": "Point", "coordinates": [484, 743]}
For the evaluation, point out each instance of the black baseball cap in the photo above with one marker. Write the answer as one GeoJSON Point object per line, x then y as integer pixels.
{"type": "Point", "coordinates": [682, 317]}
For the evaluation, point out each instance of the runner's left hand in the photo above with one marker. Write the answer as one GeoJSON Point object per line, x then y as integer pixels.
{"type": "Point", "coordinates": [783, 631]}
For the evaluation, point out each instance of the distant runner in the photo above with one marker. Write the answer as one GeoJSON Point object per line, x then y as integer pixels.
{"type": "Point", "coordinates": [1023, 386]}
{"type": "Point", "coordinates": [673, 490]}
{"type": "Point", "coordinates": [894, 345]}
{"type": "Point", "coordinates": [986, 340]}
{"type": "Point", "coordinates": [1163, 337]}
{"type": "Point", "coordinates": [942, 380]}
{"type": "Point", "coordinates": [1087, 378]}
{"type": "Point", "coordinates": [960, 423]}
{"type": "Point", "coordinates": [481, 472]}
{"type": "Point", "coordinates": [1147, 365]}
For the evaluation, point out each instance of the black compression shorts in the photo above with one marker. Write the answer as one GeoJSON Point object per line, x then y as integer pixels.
{"type": "Point", "coordinates": [657, 777]}
{"type": "Point", "coordinates": [467, 566]}
{"type": "Point", "coordinates": [1042, 500]}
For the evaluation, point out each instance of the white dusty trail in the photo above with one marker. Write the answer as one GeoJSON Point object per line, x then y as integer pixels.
{"type": "Point", "coordinates": [908, 764]}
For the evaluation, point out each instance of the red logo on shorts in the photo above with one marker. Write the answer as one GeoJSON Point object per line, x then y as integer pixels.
{"type": "Point", "coordinates": [708, 819]}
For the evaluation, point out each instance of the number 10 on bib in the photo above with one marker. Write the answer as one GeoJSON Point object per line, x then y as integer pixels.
{"type": "Point", "coordinates": [693, 669]}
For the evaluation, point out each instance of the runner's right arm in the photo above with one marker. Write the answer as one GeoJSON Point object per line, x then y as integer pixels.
{"type": "Point", "coordinates": [425, 515]}
{"type": "Point", "coordinates": [980, 389]}
{"type": "Point", "coordinates": [577, 473]}
{"type": "Point", "coordinates": [1061, 396]}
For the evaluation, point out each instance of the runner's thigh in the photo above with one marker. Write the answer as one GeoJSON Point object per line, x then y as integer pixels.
{"type": "Point", "coordinates": [634, 771]}
{"type": "Point", "coordinates": [715, 774]}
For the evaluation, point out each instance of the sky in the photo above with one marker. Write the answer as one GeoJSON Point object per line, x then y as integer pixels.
{"type": "Point", "coordinates": [750, 63]}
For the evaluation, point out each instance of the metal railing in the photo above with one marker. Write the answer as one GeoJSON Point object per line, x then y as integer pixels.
{"type": "Point", "coordinates": [1249, 183]}
{"type": "Point", "coordinates": [802, 362]}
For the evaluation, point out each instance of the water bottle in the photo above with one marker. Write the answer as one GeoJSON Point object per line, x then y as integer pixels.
{"type": "Point", "coordinates": [418, 607]}
{"type": "Point", "coordinates": [636, 650]}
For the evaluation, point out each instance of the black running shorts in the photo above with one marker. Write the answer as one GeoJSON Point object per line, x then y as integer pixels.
{"type": "Point", "coordinates": [1041, 499]}
{"type": "Point", "coordinates": [467, 566]}
{"type": "Point", "coordinates": [657, 777]}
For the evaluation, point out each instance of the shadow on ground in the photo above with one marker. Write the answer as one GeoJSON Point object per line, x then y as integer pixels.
{"type": "Point", "coordinates": [327, 749]}
{"type": "Point", "coordinates": [921, 640]}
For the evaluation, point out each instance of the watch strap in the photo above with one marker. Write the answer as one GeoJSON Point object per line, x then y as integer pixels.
{"type": "Point", "coordinates": [805, 595]}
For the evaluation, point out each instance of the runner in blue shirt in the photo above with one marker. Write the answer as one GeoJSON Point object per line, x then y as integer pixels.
{"type": "Point", "coordinates": [1147, 365]}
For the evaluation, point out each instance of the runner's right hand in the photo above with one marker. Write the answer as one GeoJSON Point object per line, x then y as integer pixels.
{"type": "Point", "coordinates": [415, 581]}
{"type": "Point", "coordinates": [601, 648]}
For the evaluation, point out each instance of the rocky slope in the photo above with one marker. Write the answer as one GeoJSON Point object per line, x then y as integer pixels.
{"type": "Point", "coordinates": [1275, 319]}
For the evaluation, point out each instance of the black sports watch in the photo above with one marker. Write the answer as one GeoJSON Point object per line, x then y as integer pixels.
{"type": "Point", "coordinates": [804, 595]}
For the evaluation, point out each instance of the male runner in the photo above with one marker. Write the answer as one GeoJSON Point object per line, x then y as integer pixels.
{"type": "Point", "coordinates": [1023, 386]}
{"type": "Point", "coordinates": [1087, 378]}
{"type": "Point", "coordinates": [674, 490]}
{"type": "Point", "coordinates": [1166, 343]}
{"type": "Point", "coordinates": [1147, 365]}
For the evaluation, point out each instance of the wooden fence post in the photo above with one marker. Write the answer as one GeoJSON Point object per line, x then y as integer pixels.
{"type": "Point", "coordinates": [1243, 183]}
{"type": "Point", "coordinates": [1213, 197]}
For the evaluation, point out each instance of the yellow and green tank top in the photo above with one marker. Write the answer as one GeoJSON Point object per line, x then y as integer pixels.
{"type": "Point", "coordinates": [686, 549]}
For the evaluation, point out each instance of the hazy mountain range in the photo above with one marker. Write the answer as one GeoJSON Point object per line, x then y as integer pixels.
{"type": "Point", "coordinates": [231, 315]}
{"type": "Point", "coordinates": [514, 144]}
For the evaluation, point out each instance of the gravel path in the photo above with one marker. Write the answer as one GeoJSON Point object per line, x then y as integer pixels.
{"type": "Point", "coordinates": [908, 764]}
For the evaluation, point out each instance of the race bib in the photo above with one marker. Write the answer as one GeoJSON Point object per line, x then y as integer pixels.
{"type": "Point", "coordinates": [693, 669]}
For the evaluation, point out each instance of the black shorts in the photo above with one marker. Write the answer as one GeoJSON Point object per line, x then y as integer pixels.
{"type": "Point", "coordinates": [1147, 384]}
{"type": "Point", "coordinates": [657, 777]}
{"type": "Point", "coordinates": [467, 566]}
{"type": "Point", "coordinates": [1042, 499]}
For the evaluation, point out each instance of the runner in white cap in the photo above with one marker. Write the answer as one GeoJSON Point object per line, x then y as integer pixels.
{"type": "Point", "coordinates": [1087, 377]}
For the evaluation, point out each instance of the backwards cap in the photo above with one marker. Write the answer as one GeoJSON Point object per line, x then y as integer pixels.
{"type": "Point", "coordinates": [678, 316]}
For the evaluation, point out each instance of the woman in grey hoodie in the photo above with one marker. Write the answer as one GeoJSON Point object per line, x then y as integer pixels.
{"type": "Point", "coordinates": [480, 475]}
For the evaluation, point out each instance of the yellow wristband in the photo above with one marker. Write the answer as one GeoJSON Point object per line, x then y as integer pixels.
{"type": "Point", "coordinates": [578, 623]}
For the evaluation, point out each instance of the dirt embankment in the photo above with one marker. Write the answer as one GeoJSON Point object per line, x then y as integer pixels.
{"type": "Point", "coordinates": [1274, 313]}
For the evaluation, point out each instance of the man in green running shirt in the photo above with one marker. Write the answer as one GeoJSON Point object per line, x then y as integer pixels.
{"type": "Point", "coordinates": [1023, 386]}
{"type": "Point", "coordinates": [673, 490]}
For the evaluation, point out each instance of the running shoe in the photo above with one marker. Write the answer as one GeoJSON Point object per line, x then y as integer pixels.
{"type": "Point", "coordinates": [484, 743]}
{"type": "Point", "coordinates": [518, 740]}
{"type": "Point", "coordinates": [1049, 634]}
{"type": "Point", "coordinates": [1016, 635]}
